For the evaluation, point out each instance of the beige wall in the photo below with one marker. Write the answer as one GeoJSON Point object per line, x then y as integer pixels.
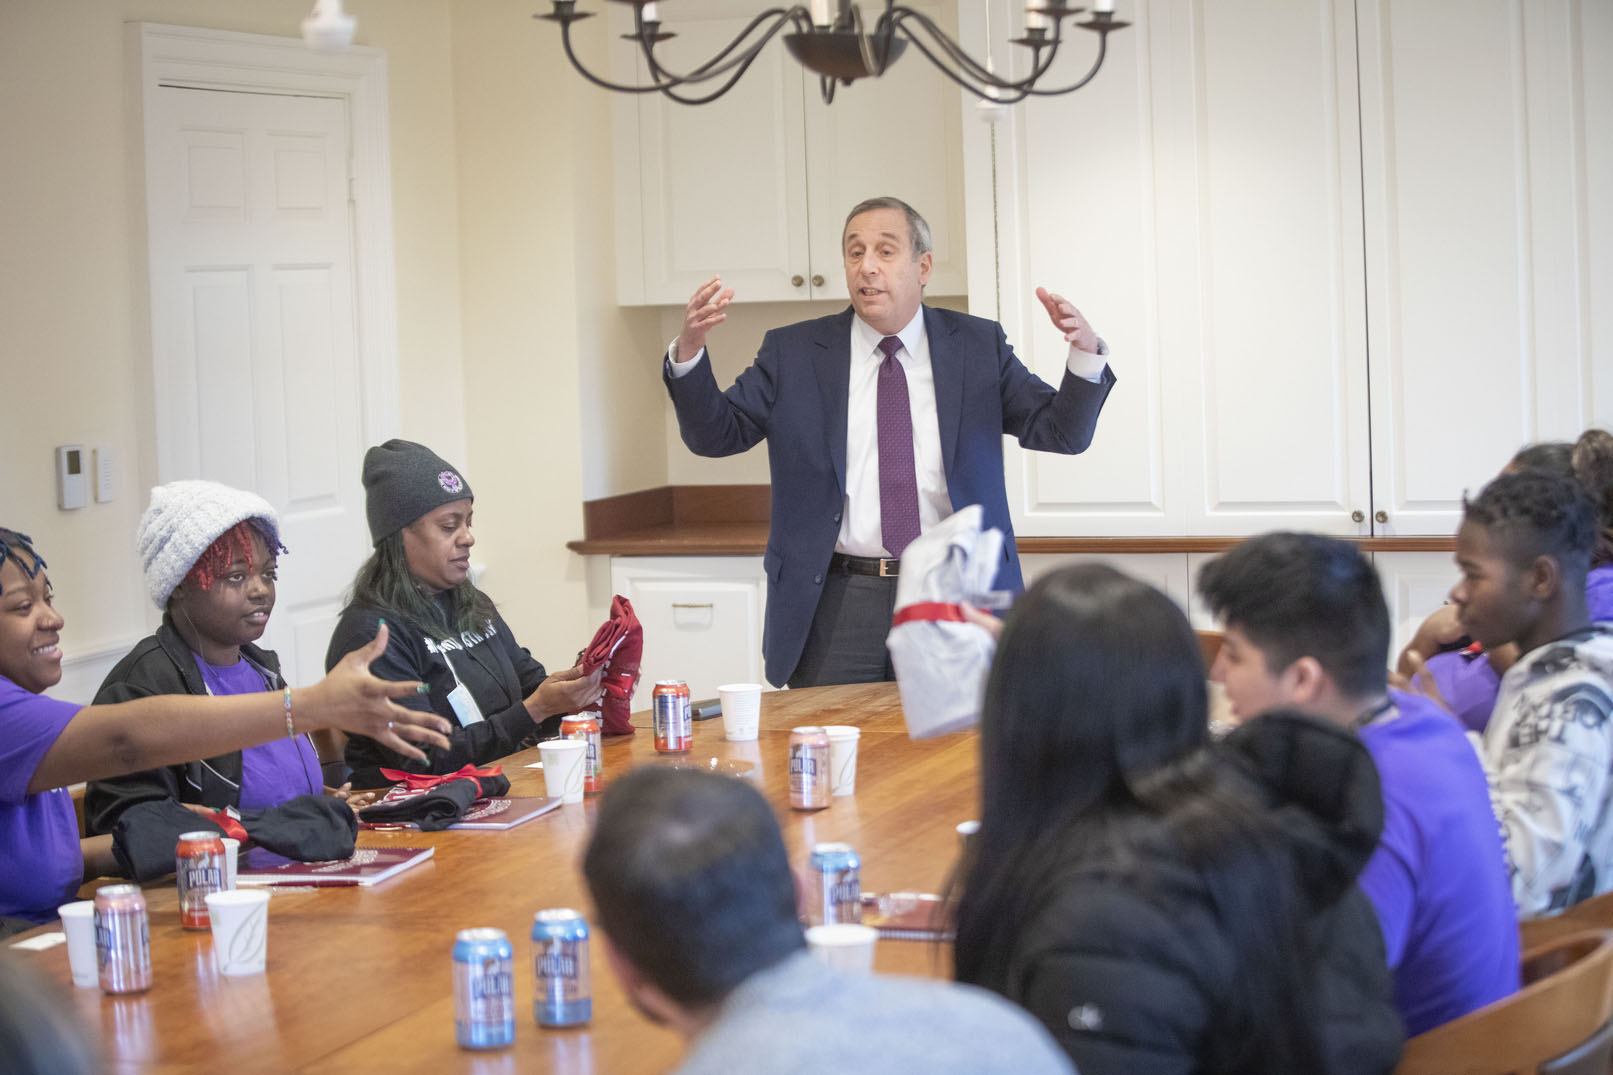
{"type": "Point", "coordinates": [73, 352]}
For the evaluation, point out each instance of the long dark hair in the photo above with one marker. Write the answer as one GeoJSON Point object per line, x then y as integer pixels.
{"type": "Point", "coordinates": [385, 584]}
{"type": "Point", "coordinates": [1094, 747]}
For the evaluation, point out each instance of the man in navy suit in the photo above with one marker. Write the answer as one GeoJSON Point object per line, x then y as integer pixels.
{"type": "Point", "coordinates": [880, 421]}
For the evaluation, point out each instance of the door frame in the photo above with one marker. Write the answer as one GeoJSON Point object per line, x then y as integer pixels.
{"type": "Point", "coordinates": [184, 56]}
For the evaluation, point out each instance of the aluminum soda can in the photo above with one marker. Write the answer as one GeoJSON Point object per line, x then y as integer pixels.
{"type": "Point", "coordinates": [836, 894]}
{"type": "Point", "coordinates": [672, 716]}
{"type": "Point", "coordinates": [810, 786]}
{"type": "Point", "coordinates": [560, 968]}
{"type": "Point", "coordinates": [198, 870]}
{"type": "Point", "coordinates": [122, 939]}
{"type": "Point", "coordinates": [585, 726]}
{"type": "Point", "coordinates": [484, 989]}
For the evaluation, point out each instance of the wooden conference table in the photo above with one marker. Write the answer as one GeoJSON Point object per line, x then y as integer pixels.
{"type": "Point", "coordinates": [360, 978]}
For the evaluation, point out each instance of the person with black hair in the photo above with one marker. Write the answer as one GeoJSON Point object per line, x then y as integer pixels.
{"type": "Point", "coordinates": [445, 630]}
{"type": "Point", "coordinates": [1306, 626]}
{"type": "Point", "coordinates": [1466, 675]}
{"type": "Point", "coordinates": [47, 744]}
{"type": "Point", "coordinates": [1524, 550]}
{"type": "Point", "coordinates": [697, 914]}
{"type": "Point", "coordinates": [1163, 903]}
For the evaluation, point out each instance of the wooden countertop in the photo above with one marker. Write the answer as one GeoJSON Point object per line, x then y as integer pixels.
{"type": "Point", "coordinates": [732, 520]}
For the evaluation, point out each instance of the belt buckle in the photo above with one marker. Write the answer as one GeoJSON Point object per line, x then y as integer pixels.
{"type": "Point", "coordinates": [893, 567]}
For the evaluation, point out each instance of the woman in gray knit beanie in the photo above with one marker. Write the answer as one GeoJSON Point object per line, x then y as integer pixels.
{"type": "Point", "coordinates": [445, 631]}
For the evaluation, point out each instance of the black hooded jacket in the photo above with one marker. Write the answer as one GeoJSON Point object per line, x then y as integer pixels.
{"type": "Point", "coordinates": [163, 664]}
{"type": "Point", "coordinates": [1125, 962]}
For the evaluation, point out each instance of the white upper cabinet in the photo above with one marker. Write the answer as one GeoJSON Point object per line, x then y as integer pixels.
{"type": "Point", "coordinates": [1478, 184]}
{"type": "Point", "coordinates": [756, 185]}
{"type": "Point", "coordinates": [1346, 256]}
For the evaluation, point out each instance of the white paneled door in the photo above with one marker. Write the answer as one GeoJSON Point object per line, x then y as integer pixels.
{"type": "Point", "coordinates": [256, 365]}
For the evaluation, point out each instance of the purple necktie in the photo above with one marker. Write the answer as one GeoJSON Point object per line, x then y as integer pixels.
{"type": "Point", "coordinates": [898, 481]}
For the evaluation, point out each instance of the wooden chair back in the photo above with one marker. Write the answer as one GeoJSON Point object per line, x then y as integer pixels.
{"type": "Point", "coordinates": [1556, 1019]}
{"type": "Point", "coordinates": [1209, 646]}
{"type": "Point", "coordinates": [1594, 913]}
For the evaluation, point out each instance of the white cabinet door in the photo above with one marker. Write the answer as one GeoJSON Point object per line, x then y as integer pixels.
{"type": "Point", "coordinates": [1200, 201]}
{"type": "Point", "coordinates": [702, 618]}
{"type": "Point", "coordinates": [1163, 571]}
{"type": "Point", "coordinates": [756, 185]}
{"type": "Point", "coordinates": [714, 188]}
{"type": "Point", "coordinates": [1474, 154]}
{"type": "Point", "coordinates": [899, 134]}
{"type": "Point", "coordinates": [1414, 585]}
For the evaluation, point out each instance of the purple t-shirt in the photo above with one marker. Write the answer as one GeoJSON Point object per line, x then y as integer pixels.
{"type": "Point", "coordinates": [41, 863]}
{"type": "Point", "coordinates": [1438, 879]}
{"type": "Point", "coordinates": [271, 772]}
{"type": "Point", "coordinates": [1468, 683]}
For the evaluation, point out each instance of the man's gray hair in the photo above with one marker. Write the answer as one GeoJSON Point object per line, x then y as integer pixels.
{"type": "Point", "coordinates": [918, 232]}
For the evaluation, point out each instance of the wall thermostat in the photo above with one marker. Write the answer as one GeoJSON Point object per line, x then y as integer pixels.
{"type": "Point", "coordinates": [72, 484]}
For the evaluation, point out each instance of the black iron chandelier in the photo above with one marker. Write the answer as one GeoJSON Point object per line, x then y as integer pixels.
{"type": "Point", "coordinates": [832, 39]}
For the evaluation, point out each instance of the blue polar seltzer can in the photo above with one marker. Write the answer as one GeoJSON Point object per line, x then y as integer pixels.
{"type": "Point", "coordinates": [560, 968]}
{"type": "Point", "coordinates": [484, 989]}
{"type": "Point", "coordinates": [836, 885]}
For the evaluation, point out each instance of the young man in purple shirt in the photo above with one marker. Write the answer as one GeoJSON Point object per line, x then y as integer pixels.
{"type": "Point", "coordinates": [1306, 626]}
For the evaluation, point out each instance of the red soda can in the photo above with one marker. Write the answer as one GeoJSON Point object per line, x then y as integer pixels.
{"type": "Point", "coordinates": [585, 726]}
{"type": "Point", "coordinates": [122, 939]}
{"type": "Point", "coordinates": [810, 786]}
{"type": "Point", "coordinates": [199, 870]}
{"type": "Point", "coordinates": [674, 721]}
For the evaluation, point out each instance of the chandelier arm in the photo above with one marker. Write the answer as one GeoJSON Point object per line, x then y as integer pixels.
{"type": "Point", "coordinates": [668, 88]}
{"type": "Point", "coordinates": [604, 84]}
{"type": "Point", "coordinates": [716, 66]}
{"type": "Point", "coordinates": [1103, 49]}
{"type": "Point", "coordinates": [967, 65]}
{"type": "Point", "coordinates": [996, 90]}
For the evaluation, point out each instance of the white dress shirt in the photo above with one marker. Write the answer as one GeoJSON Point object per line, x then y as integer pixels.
{"type": "Point", "coordinates": [860, 532]}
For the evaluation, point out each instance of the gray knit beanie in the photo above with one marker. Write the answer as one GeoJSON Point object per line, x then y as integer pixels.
{"type": "Point", "coordinates": [404, 480]}
{"type": "Point", "coordinates": [184, 520]}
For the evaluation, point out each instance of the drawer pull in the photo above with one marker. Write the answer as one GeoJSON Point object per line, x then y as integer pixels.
{"type": "Point", "coordinates": [687, 604]}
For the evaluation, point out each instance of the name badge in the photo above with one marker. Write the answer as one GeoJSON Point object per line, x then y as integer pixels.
{"type": "Point", "coordinates": [464, 706]}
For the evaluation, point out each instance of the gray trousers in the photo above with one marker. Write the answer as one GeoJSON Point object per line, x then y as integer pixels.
{"type": "Point", "coordinates": [846, 643]}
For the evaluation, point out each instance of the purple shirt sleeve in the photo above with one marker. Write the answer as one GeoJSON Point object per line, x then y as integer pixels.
{"type": "Point", "coordinates": [41, 864]}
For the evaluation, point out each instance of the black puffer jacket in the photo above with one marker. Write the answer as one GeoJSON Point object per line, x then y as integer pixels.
{"type": "Point", "coordinates": [163, 664]}
{"type": "Point", "coordinates": [498, 673]}
{"type": "Point", "coordinates": [1124, 960]}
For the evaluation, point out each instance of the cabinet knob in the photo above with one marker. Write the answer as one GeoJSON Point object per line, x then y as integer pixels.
{"type": "Point", "coordinates": [817, 279]}
{"type": "Point", "coordinates": [1358, 516]}
{"type": "Point", "coordinates": [797, 280]}
{"type": "Point", "coordinates": [1381, 516]}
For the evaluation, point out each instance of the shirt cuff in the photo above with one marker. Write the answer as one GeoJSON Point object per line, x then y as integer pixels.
{"type": "Point", "coordinates": [1084, 364]}
{"type": "Point", "coordinates": [677, 369]}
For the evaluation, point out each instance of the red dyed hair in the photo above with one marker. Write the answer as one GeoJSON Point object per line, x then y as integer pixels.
{"type": "Point", "coordinates": [237, 540]}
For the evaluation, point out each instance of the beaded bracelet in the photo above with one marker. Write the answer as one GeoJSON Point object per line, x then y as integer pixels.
{"type": "Point", "coordinates": [291, 732]}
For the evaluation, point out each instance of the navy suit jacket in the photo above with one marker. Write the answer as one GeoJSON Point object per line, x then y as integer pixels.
{"type": "Point", "coordinates": [795, 394]}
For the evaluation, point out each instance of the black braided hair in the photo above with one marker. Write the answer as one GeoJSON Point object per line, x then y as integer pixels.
{"type": "Point", "coordinates": [19, 548]}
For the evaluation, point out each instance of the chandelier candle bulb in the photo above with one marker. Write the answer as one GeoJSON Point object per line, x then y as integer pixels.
{"type": "Point", "coordinates": [649, 13]}
{"type": "Point", "coordinates": [821, 13]}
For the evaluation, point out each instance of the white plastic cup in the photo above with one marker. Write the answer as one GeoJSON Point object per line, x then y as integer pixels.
{"type": "Point", "coordinates": [232, 856]}
{"type": "Point", "coordinates": [843, 739]}
{"type": "Point", "coordinates": [845, 946]}
{"type": "Point", "coordinates": [563, 761]}
{"type": "Point", "coordinates": [78, 922]}
{"type": "Point", "coordinates": [741, 711]}
{"type": "Point", "coordinates": [240, 923]}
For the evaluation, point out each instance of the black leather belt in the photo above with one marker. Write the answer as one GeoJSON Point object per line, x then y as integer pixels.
{"type": "Point", "coordinates": [884, 568]}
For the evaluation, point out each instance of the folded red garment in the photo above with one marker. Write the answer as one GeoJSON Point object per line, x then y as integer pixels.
{"type": "Point", "coordinates": [618, 647]}
{"type": "Point", "coordinates": [423, 781]}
